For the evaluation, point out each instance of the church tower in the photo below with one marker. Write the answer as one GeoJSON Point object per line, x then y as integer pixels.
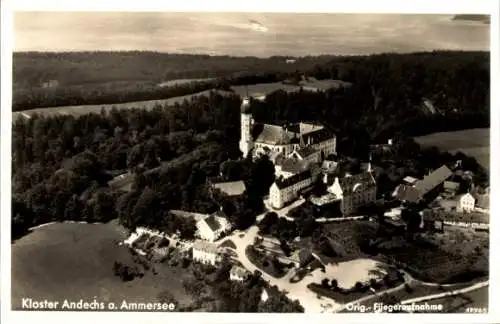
{"type": "Point", "coordinates": [246, 141]}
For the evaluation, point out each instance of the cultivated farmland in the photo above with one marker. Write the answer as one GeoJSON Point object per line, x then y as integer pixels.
{"type": "Point", "coordinates": [86, 109]}
{"type": "Point", "coordinates": [471, 142]}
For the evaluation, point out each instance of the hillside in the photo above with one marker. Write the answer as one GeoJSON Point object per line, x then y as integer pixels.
{"type": "Point", "coordinates": [97, 78]}
{"type": "Point", "coordinates": [76, 261]}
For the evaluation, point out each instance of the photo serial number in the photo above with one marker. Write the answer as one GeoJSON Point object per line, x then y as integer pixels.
{"type": "Point", "coordinates": [94, 305]}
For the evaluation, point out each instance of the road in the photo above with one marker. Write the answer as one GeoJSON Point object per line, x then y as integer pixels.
{"type": "Point", "coordinates": [311, 302]}
{"type": "Point", "coordinates": [299, 291]}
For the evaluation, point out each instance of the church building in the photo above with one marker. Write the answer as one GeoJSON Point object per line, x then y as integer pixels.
{"type": "Point", "coordinates": [310, 141]}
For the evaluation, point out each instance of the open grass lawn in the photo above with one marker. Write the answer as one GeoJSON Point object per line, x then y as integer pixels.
{"type": "Point", "coordinates": [176, 82]}
{"type": "Point", "coordinates": [255, 90]}
{"type": "Point", "coordinates": [262, 89]}
{"type": "Point", "coordinates": [471, 142]}
{"type": "Point", "coordinates": [76, 261]}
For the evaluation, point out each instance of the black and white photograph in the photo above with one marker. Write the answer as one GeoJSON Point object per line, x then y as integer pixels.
{"type": "Point", "coordinates": [249, 162]}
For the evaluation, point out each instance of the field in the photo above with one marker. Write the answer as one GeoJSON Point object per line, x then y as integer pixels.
{"type": "Point", "coordinates": [472, 142]}
{"type": "Point", "coordinates": [255, 90]}
{"type": "Point", "coordinates": [262, 89]}
{"type": "Point", "coordinates": [85, 109]}
{"type": "Point", "coordinates": [477, 299]}
{"type": "Point", "coordinates": [182, 81]}
{"type": "Point", "coordinates": [457, 256]}
{"type": "Point", "coordinates": [70, 260]}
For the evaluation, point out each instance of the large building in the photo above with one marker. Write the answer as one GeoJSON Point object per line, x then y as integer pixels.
{"type": "Point", "coordinates": [353, 191]}
{"type": "Point", "coordinates": [310, 141]}
{"type": "Point", "coordinates": [423, 189]}
{"type": "Point", "coordinates": [285, 190]}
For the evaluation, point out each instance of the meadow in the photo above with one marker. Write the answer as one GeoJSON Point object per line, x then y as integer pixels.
{"type": "Point", "coordinates": [472, 142]}
{"type": "Point", "coordinates": [74, 260]}
{"type": "Point", "coordinates": [96, 109]}
{"type": "Point", "coordinates": [253, 90]}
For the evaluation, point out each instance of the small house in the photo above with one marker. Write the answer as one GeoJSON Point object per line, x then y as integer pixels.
{"type": "Point", "coordinates": [213, 227]}
{"type": "Point", "coordinates": [465, 203]}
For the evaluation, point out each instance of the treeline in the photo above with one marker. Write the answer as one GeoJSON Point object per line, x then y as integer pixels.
{"type": "Point", "coordinates": [62, 165]}
{"type": "Point", "coordinates": [84, 78]}
{"type": "Point", "coordinates": [391, 84]}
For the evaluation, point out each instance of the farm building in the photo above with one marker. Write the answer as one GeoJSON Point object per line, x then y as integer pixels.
{"type": "Point", "coordinates": [423, 189]}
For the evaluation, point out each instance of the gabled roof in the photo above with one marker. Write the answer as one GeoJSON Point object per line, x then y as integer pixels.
{"type": "Point", "coordinates": [305, 151]}
{"type": "Point", "coordinates": [406, 193]}
{"type": "Point", "coordinates": [272, 134]}
{"type": "Point", "coordinates": [316, 136]}
{"type": "Point", "coordinates": [205, 247]}
{"type": "Point", "coordinates": [211, 222]}
{"type": "Point", "coordinates": [451, 185]}
{"type": "Point", "coordinates": [349, 184]}
{"type": "Point", "coordinates": [286, 134]}
{"type": "Point", "coordinates": [432, 180]}
{"type": "Point", "coordinates": [292, 165]}
{"type": "Point", "coordinates": [304, 128]}
{"type": "Point", "coordinates": [466, 195]}
{"type": "Point", "coordinates": [410, 180]}
{"type": "Point", "coordinates": [290, 181]}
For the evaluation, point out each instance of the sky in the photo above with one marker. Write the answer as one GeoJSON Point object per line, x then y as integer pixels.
{"type": "Point", "coordinates": [245, 34]}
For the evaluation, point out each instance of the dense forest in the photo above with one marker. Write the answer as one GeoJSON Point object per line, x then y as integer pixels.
{"type": "Point", "coordinates": [62, 164]}
{"type": "Point", "coordinates": [80, 78]}
{"type": "Point", "coordinates": [453, 81]}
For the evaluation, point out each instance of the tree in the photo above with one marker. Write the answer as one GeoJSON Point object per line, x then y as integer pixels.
{"type": "Point", "coordinates": [325, 283]}
{"type": "Point", "coordinates": [358, 286]}
{"type": "Point", "coordinates": [334, 284]}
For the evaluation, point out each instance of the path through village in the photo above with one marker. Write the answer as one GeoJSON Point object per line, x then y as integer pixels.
{"type": "Point", "coordinates": [312, 302]}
